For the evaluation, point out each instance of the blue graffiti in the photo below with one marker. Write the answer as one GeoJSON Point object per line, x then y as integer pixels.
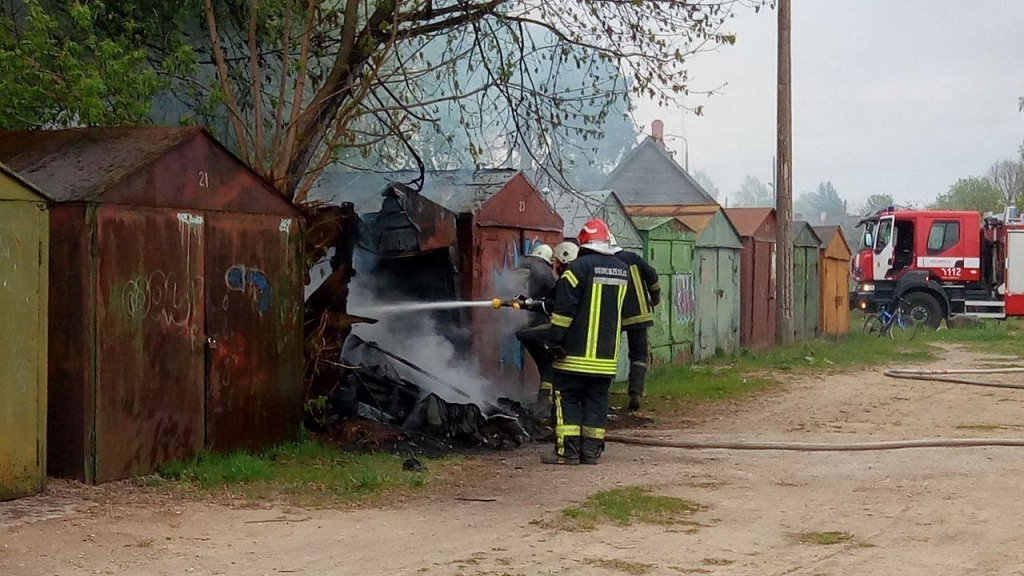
{"type": "Point", "coordinates": [252, 281]}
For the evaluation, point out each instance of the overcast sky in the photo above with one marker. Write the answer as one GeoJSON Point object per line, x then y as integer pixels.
{"type": "Point", "coordinates": [889, 96]}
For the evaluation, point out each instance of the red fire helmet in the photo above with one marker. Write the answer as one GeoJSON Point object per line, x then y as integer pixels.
{"type": "Point", "coordinates": [594, 230]}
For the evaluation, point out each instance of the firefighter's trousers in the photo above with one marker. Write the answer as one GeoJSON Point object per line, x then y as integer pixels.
{"type": "Point", "coordinates": [534, 339]}
{"type": "Point", "coordinates": [639, 354]}
{"type": "Point", "coordinates": [581, 410]}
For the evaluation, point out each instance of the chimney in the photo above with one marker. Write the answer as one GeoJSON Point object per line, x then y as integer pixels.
{"type": "Point", "coordinates": [658, 132]}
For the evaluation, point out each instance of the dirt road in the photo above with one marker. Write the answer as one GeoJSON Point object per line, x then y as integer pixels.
{"type": "Point", "coordinates": [928, 512]}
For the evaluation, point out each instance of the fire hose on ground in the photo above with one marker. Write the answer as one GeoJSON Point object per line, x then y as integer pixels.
{"type": "Point", "coordinates": [906, 374]}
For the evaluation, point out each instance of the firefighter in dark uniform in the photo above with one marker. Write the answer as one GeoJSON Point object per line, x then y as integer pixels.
{"type": "Point", "coordinates": [637, 316]}
{"type": "Point", "coordinates": [585, 325]}
{"type": "Point", "coordinates": [540, 283]}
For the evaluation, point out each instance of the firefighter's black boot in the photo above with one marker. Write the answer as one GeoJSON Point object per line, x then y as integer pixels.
{"type": "Point", "coordinates": [637, 377]}
{"type": "Point", "coordinates": [570, 452]}
{"type": "Point", "coordinates": [544, 407]}
{"type": "Point", "coordinates": [590, 450]}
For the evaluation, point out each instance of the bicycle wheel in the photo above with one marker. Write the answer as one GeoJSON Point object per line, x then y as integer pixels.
{"type": "Point", "coordinates": [873, 325]}
{"type": "Point", "coordinates": [904, 328]}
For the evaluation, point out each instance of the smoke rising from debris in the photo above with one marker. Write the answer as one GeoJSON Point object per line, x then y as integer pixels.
{"type": "Point", "coordinates": [438, 342]}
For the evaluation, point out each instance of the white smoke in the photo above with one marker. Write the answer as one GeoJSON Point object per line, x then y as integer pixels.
{"type": "Point", "coordinates": [422, 340]}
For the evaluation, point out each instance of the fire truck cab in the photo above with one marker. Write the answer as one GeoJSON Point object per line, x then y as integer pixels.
{"type": "Point", "coordinates": [939, 263]}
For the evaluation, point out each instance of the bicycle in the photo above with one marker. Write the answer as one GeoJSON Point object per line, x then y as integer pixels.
{"type": "Point", "coordinates": [896, 325]}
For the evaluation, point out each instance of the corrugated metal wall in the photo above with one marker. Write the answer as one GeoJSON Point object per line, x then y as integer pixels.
{"type": "Point", "coordinates": [669, 247]}
{"type": "Point", "coordinates": [23, 345]}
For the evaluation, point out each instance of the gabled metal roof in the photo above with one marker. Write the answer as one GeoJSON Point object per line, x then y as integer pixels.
{"type": "Point", "coordinates": [748, 220]}
{"type": "Point", "coordinates": [32, 189]}
{"type": "Point", "coordinates": [648, 175]}
{"type": "Point", "coordinates": [80, 164]}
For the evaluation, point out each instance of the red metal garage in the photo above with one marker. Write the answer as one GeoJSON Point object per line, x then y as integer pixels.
{"type": "Point", "coordinates": [757, 275]}
{"type": "Point", "coordinates": [175, 298]}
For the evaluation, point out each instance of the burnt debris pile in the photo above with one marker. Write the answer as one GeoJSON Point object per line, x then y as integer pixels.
{"type": "Point", "coordinates": [385, 402]}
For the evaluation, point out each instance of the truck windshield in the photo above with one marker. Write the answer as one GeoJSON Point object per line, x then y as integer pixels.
{"type": "Point", "coordinates": [867, 239]}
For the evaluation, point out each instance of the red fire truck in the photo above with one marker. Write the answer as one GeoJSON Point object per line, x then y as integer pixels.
{"type": "Point", "coordinates": [941, 264]}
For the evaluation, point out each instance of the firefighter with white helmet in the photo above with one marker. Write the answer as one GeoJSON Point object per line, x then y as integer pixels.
{"type": "Point", "coordinates": [585, 325]}
{"type": "Point", "coordinates": [535, 338]}
{"type": "Point", "coordinates": [539, 285]}
{"type": "Point", "coordinates": [564, 254]}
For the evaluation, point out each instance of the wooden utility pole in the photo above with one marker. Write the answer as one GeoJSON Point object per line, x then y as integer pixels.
{"type": "Point", "coordinates": [784, 187]}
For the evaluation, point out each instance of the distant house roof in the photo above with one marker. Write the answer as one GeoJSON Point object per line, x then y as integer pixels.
{"type": "Point", "coordinates": [748, 220]}
{"type": "Point", "coordinates": [649, 176]}
{"type": "Point", "coordinates": [576, 208]}
{"type": "Point", "coordinates": [461, 191]}
{"type": "Point", "coordinates": [80, 164]}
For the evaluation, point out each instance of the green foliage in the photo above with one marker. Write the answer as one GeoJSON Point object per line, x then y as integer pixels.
{"type": "Point", "coordinates": [753, 192]}
{"type": "Point", "coordinates": [306, 472]}
{"type": "Point", "coordinates": [877, 202]}
{"type": "Point", "coordinates": [56, 69]}
{"type": "Point", "coordinates": [972, 193]}
{"type": "Point", "coordinates": [823, 201]}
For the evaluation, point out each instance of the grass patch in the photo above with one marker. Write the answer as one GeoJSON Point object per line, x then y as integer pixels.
{"type": "Point", "coordinates": [624, 566]}
{"type": "Point", "coordinates": [305, 473]}
{"type": "Point", "coordinates": [991, 337]}
{"type": "Point", "coordinates": [676, 388]}
{"type": "Point", "coordinates": [625, 506]}
{"type": "Point", "coordinates": [825, 538]}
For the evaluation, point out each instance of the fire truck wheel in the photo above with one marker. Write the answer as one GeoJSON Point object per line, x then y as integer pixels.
{"type": "Point", "coordinates": [923, 308]}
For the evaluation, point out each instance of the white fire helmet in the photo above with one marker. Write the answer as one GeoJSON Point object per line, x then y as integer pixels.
{"type": "Point", "coordinates": [542, 251]}
{"type": "Point", "coordinates": [566, 252]}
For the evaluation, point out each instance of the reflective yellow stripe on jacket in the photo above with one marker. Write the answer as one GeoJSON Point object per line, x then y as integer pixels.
{"type": "Point", "coordinates": [645, 314]}
{"type": "Point", "coordinates": [596, 366]}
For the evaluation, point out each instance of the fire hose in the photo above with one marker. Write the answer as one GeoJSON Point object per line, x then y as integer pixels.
{"type": "Point", "coordinates": [907, 374]}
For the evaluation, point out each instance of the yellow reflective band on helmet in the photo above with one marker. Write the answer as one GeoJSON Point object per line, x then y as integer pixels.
{"type": "Point", "coordinates": [593, 321]}
{"type": "Point", "coordinates": [561, 321]}
{"type": "Point", "coordinates": [546, 386]}
{"type": "Point", "coordinates": [641, 296]}
{"type": "Point", "coordinates": [568, 430]}
{"type": "Point", "coordinates": [591, 432]}
{"type": "Point", "coordinates": [571, 278]}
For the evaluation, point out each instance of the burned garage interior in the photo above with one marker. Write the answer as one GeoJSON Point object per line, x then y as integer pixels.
{"type": "Point", "coordinates": [406, 295]}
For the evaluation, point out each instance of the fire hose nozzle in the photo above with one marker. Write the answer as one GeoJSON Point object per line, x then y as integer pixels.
{"type": "Point", "coordinates": [499, 303]}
